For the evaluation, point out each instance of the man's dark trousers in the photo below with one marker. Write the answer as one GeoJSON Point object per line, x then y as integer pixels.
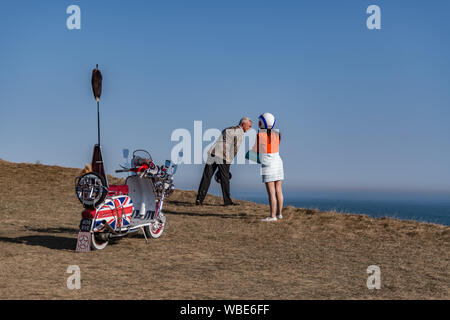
{"type": "Point", "coordinates": [224, 175]}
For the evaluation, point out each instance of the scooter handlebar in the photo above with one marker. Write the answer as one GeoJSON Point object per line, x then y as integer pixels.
{"type": "Point", "coordinates": [142, 168]}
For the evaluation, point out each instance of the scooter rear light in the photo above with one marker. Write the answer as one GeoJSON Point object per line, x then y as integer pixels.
{"type": "Point", "coordinates": [88, 213]}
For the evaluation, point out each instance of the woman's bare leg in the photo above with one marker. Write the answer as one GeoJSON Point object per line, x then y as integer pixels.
{"type": "Point", "coordinates": [270, 187]}
{"type": "Point", "coordinates": [279, 196]}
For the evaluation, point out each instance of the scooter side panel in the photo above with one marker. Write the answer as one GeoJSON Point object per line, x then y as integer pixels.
{"type": "Point", "coordinates": [125, 205]}
{"type": "Point", "coordinates": [107, 212]}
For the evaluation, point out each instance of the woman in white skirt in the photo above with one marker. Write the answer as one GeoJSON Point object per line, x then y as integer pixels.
{"type": "Point", "coordinates": [267, 149]}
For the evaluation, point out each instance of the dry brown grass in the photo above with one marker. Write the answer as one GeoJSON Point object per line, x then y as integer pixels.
{"type": "Point", "coordinates": [210, 252]}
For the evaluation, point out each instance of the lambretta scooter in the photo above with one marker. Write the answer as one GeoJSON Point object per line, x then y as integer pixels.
{"type": "Point", "coordinates": [117, 210]}
{"type": "Point", "coordinates": [114, 211]}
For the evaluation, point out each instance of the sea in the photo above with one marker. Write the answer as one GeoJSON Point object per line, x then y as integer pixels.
{"type": "Point", "coordinates": [424, 208]}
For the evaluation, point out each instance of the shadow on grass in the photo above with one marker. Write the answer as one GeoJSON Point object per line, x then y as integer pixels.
{"type": "Point", "coordinates": [53, 230]}
{"type": "Point", "coordinates": [188, 203]}
{"type": "Point", "coordinates": [199, 214]}
{"type": "Point", "coordinates": [51, 242]}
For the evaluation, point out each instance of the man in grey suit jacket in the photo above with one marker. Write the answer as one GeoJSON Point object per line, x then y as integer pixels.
{"type": "Point", "coordinates": [220, 156]}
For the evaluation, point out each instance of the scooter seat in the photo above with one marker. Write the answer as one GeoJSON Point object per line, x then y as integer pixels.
{"type": "Point", "coordinates": [116, 190]}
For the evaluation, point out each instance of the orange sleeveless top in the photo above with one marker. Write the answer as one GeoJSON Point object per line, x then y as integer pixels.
{"type": "Point", "coordinates": [267, 143]}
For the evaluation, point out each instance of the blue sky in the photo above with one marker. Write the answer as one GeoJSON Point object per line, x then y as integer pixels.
{"type": "Point", "coordinates": [358, 109]}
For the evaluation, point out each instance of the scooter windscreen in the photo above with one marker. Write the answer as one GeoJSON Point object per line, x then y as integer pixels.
{"type": "Point", "coordinates": [141, 157]}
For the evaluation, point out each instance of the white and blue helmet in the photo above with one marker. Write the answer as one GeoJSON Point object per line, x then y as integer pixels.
{"type": "Point", "coordinates": [266, 121]}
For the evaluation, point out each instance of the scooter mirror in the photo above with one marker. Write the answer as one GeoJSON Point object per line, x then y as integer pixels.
{"type": "Point", "coordinates": [168, 163]}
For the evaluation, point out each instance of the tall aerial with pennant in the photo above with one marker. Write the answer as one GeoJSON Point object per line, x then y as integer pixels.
{"type": "Point", "coordinates": [97, 159]}
{"type": "Point", "coordinates": [96, 82]}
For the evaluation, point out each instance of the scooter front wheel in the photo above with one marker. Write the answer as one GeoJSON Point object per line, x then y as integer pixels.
{"type": "Point", "coordinates": [97, 243]}
{"type": "Point", "coordinates": [156, 229]}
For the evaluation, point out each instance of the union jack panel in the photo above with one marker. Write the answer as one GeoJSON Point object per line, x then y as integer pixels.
{"type": "Point", "coordinates": [116, 211]}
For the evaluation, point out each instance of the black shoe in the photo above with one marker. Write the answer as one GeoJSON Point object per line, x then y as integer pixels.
{"type": "Point", "coordinates": [231, 204]}
{"type": "Point", "coordinates": [198, 203]}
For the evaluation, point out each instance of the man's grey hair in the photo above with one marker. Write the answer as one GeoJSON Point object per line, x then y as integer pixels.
{"type": "Point", "coordinates": [244, 119]}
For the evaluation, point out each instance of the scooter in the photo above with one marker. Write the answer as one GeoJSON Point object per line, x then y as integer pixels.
{"type": "Point", "coordinates": [112, 212]}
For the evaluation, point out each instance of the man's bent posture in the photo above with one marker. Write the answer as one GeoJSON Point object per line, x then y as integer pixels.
{"type": "Point", "coordinates": [220, 156]}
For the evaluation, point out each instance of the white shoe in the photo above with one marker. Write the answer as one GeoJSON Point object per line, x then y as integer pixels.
{"type": "Point", "coordinates": [268, 219]}
{"type": "Point", "coordinates": [280, 216]}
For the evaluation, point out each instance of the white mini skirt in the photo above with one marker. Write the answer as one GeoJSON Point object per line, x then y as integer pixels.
{"type": "Point", "coordinates": [271, 167]}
